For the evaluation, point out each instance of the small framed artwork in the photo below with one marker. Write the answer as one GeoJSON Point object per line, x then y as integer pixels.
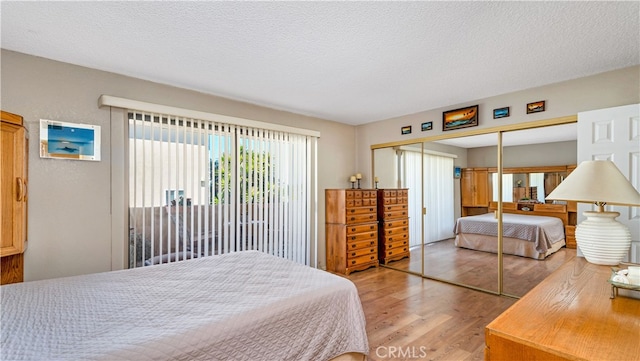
{"type": "Point", "coordinates": [535, 107]}
{"type": "Point", "coordinates": [460, 118]}
{"type": "Point", "coordinates": [457, 172]}
{"type": "Point", "coordinates": [501, 113]}
{"type": "Point", "coordinates": [69, 140]}
{"type": "Point", "coordinates": [406, 130]}
{"type": "Point", "coordinates": [427, 126]}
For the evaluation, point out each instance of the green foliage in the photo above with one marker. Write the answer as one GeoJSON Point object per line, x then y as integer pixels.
{"type": "Point", "coordinates": [256, 179]}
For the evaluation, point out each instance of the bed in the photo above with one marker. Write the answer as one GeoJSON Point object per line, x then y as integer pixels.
{"type": "Point", "coordinates": [523, 235]}
{"type": "Point", "coordinates": [237, 306]}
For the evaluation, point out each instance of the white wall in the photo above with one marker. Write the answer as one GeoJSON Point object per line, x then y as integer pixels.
{"type": "Point", "coordinates": [70, 215]}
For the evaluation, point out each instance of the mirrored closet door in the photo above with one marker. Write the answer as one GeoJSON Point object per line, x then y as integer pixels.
{"type": "Point", "coordinates": [456, 233]}
{"type": "Point", "coordinates": [537, 233]}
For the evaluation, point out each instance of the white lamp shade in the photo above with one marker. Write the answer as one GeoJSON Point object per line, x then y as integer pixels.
{"type": "Point", "coordinates": [597, 181]}
{"type": "Point", "coordinates": [602, 239]}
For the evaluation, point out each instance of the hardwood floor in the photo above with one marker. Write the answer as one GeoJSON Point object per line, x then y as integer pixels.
{"type": "Point", "coordinates": [412, 318]}
{"type": "Point", "coordinates": [480, 269]}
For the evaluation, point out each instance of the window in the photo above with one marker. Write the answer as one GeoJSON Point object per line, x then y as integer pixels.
{"type": "Point", "coordinates": [200, 187]}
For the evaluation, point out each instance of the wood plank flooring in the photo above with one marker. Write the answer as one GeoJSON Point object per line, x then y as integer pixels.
{"type": "Point", "coordinates": [412, 318]}
{"type": "Point", "coordinates": [479, 269]}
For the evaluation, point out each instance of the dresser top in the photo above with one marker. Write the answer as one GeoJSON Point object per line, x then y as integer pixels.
{"type": "Point", "coordinates": [570, 314]}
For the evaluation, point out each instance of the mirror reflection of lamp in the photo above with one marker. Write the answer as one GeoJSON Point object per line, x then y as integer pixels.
{"type": "Point", "coordinates": [601, 238]}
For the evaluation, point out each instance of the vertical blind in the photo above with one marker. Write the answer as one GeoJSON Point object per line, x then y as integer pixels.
{"type": "Point", "coordinates": [438, 195]}
{"type": "Point", "coordinates": [199, 187]}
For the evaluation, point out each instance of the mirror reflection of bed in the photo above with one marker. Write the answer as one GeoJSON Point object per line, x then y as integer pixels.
{"type": "Point", "coordinates": [532, 168]}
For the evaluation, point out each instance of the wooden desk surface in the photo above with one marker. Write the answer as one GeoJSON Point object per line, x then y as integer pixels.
{"type": "Point", "coordinates": [569, 315]}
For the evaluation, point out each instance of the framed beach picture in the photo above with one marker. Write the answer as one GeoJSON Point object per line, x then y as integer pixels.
{"type": "Point", "coordinates": [460, 118]}
{"type": "Point", "coordinates": [405, 130]}
{"type": "Point", "coordinates": [536, 107]}
{"type": "Point", "coordinates": [501, 113]}
{"type": "Point", "coordinates": [69, 140]}
{"type": "Point", "coordinates": [426, 126]}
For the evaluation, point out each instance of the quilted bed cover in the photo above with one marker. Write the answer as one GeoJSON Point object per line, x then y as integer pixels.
{"type": "Point", "coordinates": [237, 306]}
{"type": "Point", "coordinates": [542, 230]}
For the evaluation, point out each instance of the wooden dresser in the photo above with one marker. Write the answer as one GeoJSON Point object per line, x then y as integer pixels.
{"type": "Point", "coordinates": [351, 229]}
{"type": "Point", "coordinates": [393, 218]}
{"type": "Point", "coordinates": [14, 158]}
{"type": "Point", "coordinates": [568, 316]}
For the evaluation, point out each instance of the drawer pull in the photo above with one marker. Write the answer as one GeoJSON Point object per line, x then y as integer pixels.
{"type": "Point", "coordinates": [353, 246]}
{"type": "Point", "coordinates": [353, 254]}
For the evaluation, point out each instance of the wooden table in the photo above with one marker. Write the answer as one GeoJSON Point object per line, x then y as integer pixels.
{"type": "Point", "coordinates": [568, 316]}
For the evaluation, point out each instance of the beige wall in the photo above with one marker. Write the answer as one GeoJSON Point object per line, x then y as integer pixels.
{"type": "Point", "coordinates": [70, 216]}
{"type": "Point", "coordinates": [614, 88]}
{"type": "Point", "coordinates": [531, 155]}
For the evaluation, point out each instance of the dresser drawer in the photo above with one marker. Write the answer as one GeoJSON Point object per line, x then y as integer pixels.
{"type": "Point", "coordinates": [360, 210]}
{"type": "Point", "coordinates": [362, 252]}
{"type": "Point", "coordinates": [396, 251]}
{"type": "Point", "coordinates": [396, 244]}
{"type": "Point", "coordinates": [395, 214]}
{"type": "Point", "coordinates": [361, 244]}
{"type": "Point", "coordinates": [354, 237]}
{"type": "Point", "coordinates": [361, 228]}
{"type": "Point", "coordinates": [361, 202]}
{"type": "Point", "coordinates": [390, 238]}
{"type": "Point", "coordinates": [361, 260]}
{"type": "Point", "coordinates": [395, 231]}
{"type": "Point", "coordinates": [396, 223]}
{"type": "Point", "coordinates": [361, 218]}
{"type": "Point", "coordinates": [394, 207]}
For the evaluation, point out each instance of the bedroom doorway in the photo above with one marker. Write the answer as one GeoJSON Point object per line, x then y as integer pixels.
{"type": "Point", "coordinates": [440, 258]}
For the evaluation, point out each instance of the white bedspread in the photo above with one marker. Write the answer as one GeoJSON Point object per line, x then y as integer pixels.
{"type": "Point", "coordinates": [237, 306]}
{"type": "Point", "coordinates": [542, 230]}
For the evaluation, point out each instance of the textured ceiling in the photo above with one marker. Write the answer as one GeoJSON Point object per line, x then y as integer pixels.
{"type": "Point", "coordinates": [352, 62]}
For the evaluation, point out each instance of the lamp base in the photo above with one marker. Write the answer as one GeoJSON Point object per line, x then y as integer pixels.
{"type": "Point", "coordinates": [602, 239]}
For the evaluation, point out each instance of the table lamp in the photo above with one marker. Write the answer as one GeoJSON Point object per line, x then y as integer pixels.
{"type": "Point", "coordinates": [601, 238]}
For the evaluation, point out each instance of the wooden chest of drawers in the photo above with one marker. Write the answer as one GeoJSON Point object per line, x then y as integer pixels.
{"type": "Point", "coordinates": [351, 229]}
{"type": "Point", "coordinates": [393, 218]}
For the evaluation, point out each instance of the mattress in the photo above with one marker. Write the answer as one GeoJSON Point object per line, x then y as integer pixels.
{"type": "Point", "coordinates": [237, 306]}
{"type": "Point", "coordinates": [542, 231]}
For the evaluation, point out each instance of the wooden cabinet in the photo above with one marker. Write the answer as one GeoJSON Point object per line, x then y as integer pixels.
{"type": "Point", "coordinates": [568, 316]}
{"type": "Point", "coordinates": [393, 221]}
{"type": "Point", "coordinates": [351, 227]}
{"type": "Point", "coordinates": [474, 191]}
{"type": "Point", "coordinates": [13, 192]}
{"type": "Point", "coordinates": [572, 214]}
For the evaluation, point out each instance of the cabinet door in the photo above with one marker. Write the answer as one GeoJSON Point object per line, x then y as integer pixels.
{"type": "Point", "coordinates": [14, 187]}
{"type": "Point", "coordinates": [481, 182]}
{"type": "Point", "coordinates": [466, 188]}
